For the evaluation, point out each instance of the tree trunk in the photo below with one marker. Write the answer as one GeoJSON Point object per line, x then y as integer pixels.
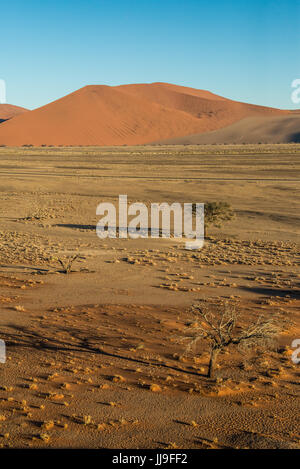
{"type": "Point", "coordinates": [212, 362]}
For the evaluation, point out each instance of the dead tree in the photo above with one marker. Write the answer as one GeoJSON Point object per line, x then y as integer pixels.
{"type": "Point", "coordinates": [220, 325]}
{"type": "Point", "coordinates": [67, 263]}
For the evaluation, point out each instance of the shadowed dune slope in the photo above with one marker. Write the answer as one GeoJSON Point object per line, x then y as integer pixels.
{"type": "Point", "coordinates": [7, 111]}
{"type": "Point", "coordinates": [276, 129]}
{"type": "Point", "coordinates": [127, 114]}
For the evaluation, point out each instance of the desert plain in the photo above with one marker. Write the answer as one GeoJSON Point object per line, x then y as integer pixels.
{"type": "Point", "coordinates": [94, 358]}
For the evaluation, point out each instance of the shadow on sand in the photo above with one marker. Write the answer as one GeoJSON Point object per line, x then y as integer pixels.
{"type": "Point", "coordinates": [25, 338]}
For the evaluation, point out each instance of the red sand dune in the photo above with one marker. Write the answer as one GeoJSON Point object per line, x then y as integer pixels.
{"type": "Point", "coordinates": [7, 111]}
{"type": "Point", "coordinates": [127, 114]}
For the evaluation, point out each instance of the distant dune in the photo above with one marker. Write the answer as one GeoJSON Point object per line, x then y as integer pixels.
{"type": "Point", "coordinates": [275, 129]}
{"type": "Point", "coordinates": [7, 111]}
{"type": "Point", "coordinates": [127, 115]}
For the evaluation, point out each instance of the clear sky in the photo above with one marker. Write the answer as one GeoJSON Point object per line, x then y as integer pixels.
{"type": "Point", "coordinates": [247, 50]}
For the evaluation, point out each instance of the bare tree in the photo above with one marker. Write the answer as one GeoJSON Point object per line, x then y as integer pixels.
{"type": "Point", "coordinates": [67, 263]}
{"type": "Point", "coordinates": [220, 325]}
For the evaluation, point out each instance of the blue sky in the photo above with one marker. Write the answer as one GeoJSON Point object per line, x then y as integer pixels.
{"type": "Point", "coordinates": [244, 50]}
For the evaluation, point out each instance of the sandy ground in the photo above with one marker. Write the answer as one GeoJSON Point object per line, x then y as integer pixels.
{"type": "Point", "coordinates": [94, 358]}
